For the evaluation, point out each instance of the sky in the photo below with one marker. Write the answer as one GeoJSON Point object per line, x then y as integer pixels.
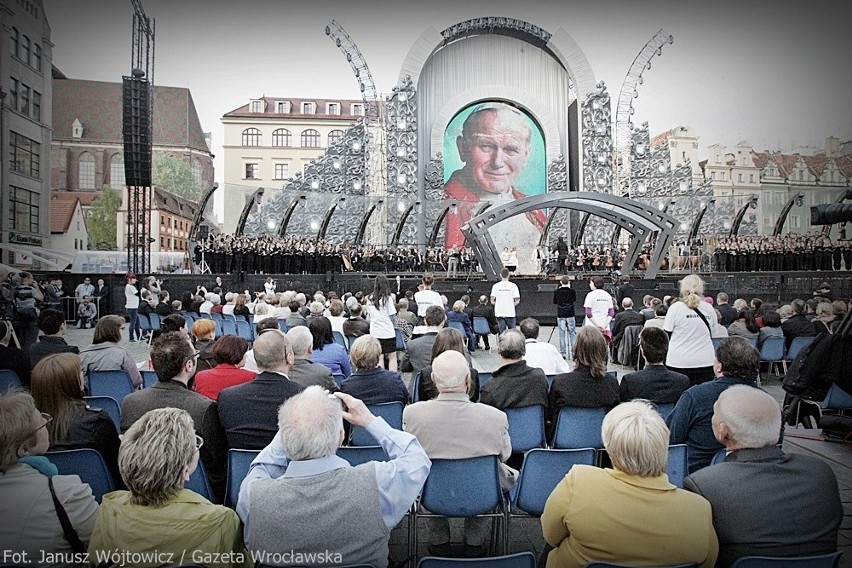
{"type": "Point", "coordinates": [774, 74]}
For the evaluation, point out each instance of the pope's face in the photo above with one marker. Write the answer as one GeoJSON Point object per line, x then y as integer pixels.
{"type": "Point", "coordinates": [495, 152]}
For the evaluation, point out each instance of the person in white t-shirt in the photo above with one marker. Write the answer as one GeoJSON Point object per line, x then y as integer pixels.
{"type": "Point", "coordinates": [505, 296]}
{"type": "Point", "coordinates": [692, 323]}
{"type": "Point", "coordinates": [381, 305]}
{"type": "Point", "coordinates": [427, 297]}
{"type": "Point", "coordinates": [599, 305]}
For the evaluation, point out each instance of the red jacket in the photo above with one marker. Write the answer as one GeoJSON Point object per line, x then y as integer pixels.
{"type": "Point", "coordinates": [211, 382]}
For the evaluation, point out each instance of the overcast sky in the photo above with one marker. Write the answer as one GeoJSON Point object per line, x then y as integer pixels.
{"type": "Point", "coordinates": [773, 73]}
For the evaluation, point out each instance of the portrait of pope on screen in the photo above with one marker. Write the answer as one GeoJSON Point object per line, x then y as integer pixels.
{"type": "Point", "coordinates": [495, 146]}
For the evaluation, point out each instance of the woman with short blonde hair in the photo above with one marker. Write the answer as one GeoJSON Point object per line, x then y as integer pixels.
{"type": "Point", "coordinates": [158, 454]}
{"type": "Point", "coordinates": [370, 382]}
{"type": "Point", "coordinates": [691, 324]}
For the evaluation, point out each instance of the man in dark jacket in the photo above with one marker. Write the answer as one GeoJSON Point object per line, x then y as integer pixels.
{"type": "Point", "coordinates": [797, 325]}
{"type": "Point", "coordinates": [514, 384]}
{"type": "Point", "coordinates": [485, 310]}
{"type": "Point", "coordinates": [729, 314]}
{"type": "Point", "coordinates": [623, 319]}
{"type": "Point", "coordinates": [655, 382]}
{"type": "Point", "coordinates": [52, 324]}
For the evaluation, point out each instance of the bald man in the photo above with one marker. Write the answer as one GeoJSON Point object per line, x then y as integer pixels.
{"type": "Point", "coordinates": [249, 412]}
{"type": "Point", "coordinates": [304, 370]}
{"type": "Point", "coordinates": [765, 502]}
{"type": "Point", "coordinates": [452, 427]}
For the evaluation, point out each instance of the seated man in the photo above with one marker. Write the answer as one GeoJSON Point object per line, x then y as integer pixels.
{"type": "Point", "coordinates": [52, 325]}
{"type": "Point", "coordinates": [298, 474]}
{"type": "Point", "coordinates": [304, 371]}
{"type": "Point", "coordinates": [355, 326]}
{"type": "Point", "coordinates": [485, 310]}
{"type": "Point", "coordinates": [765, 502]}
{"type": "Point", "coordinates": [174, 361]}
{"type": "Point", "coordinates": [630, 514]}
{"type": "Point", "coordinates": [418, 354]}
{"type": "Point", "coordinates": [737, 363]}
{"type": "Point", "coordinates": [453, 427]}
{"type": "Point", "coordinates": [655, 382]}
{"type": "Point", "coordinates": [544, 356]}
{"type": "Point", "coordinates": [624, 319]}
{"type": "Point", "coordinates": [515, 383]}
{"type": "Point", "coordinates": [248, 411]}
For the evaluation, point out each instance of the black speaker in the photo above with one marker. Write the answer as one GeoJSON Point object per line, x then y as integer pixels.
{"type": "Point", "coordinates": [136, 128]}
{"type": "Point", "coordinates": [203, 232]}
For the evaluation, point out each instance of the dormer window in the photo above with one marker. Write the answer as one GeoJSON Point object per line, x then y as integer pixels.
{"type": "Point", "coordinates": [333, 108]}
{"type": "Point", "coordinates": [77, 129]}
{"type": "Point", "coordinates": [282, 107]}
{"type": "Point", "coordinates": [357, 109]}
{"type": "Point", "coordinates": [308, 108]}
{"type": "Point", "coordinates": [258, 105]}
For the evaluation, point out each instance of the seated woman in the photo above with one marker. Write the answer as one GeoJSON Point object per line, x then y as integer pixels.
{"type": "Point", "coordinates": [173, 322]}
{"type": "Point", "coordinates": [588, 385]}
{"type": "Point", "coordinates": [771, 326]}
{"type": "Point", "coordinates": [240, 308]}
{"type": "Point", "coordinates": [448, 339]}
{"type": "Point", "coordinates": [629, 514]}
{"type": "Point", "coordinates": [164, 308]}
{"type": "Point", "coordinates": [369, 382]}
{"type": "Point", "coordinates": [326, 351]}
{"type": "Point", "coordinates": [57, 388]}
{"type": "Point", "coordinates": [230, 356]}
{"type": "Point", "coordinates": [105, 354]}
{"type": "Point", "coordinates": [457, 315]}
{"type": "Point", "coordinates": [30, 523]}
{"type": "Point", "coordinates": [744, 326]}
{"type": "Point", "coordinates": [204, 339]}
{"type": "Point", "coordinates": [157, 456]}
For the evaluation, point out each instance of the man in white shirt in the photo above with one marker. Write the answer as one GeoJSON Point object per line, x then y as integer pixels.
{"type": "Point", "coordinates": [599, 305]}
{"type": "Point", "coordinates": [539, 354]}
{"type": "Point", "coordinates": [427, 297]}
{"type": "Point", "coordinates": [505, 296]}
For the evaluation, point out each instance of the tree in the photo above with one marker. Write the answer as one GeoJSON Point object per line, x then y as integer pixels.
{"type": "Point", "coordinates": [174, 175]}
{"type": "Point", "coordinates": [101, 220]}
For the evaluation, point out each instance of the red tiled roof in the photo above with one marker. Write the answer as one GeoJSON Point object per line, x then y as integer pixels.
{"type": "Point", "coordinates": [174, 204]}
{"type": "Point", "coordinates": [816, 164]}
{"type": "Point", "coordinates": [86, 197]}
{"type": "Point", "coordinates": [62, 209]}
{"type": "Point", "coordinates": [844, 164]}
{"type": "Point", "coordinates": [98, 105]}
{"type": "Point", "coordinates": [296, 109]}
{"type": "Point", "coordinates": [661, 138]}
{"type": "Point", "coordinates": [760, 159]}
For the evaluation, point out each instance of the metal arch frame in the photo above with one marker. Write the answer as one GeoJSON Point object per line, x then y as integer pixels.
{"type": "Point", "coordinates": [241, 223]}
{"type": "Point", "coordinates": [362, 228]}
{"type": "Point", "coordinates": [281, 231]}
{"type": "Point", "coordinates": [359, 67]}
{"type": "Point", "coordinates": [696, 223]}
{"type": "Point", "coordinates": [436, 228]}
{"type": "Point", "coordinates": [638, 219]}
{"type": "Point", "coordinates": [624, 110]}
{"type": "Point", "coordinates": [198, 218]}
{"type": "Point", "coordinates": [397, 233]}
{"type": "Point", "coordinates": [797, 199]}
{"type": "Point", "coordinates": [327, 219]}
{"type": "Point", "coordinates": [738, 218]}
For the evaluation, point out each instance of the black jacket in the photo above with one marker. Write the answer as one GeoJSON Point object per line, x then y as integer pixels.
{"type": "Point", "coordinates": [49, 345]}
{"type": "Point", "coordinates": [796, 326]}
{"type": "Point", "coordinates": [93, 428]}
{"type": "Point", "coordinates": [487, 312]}
{"type": "Point", "coordinates": [514, 386]}
{"type": "Point", "coordinates": [655, 383]}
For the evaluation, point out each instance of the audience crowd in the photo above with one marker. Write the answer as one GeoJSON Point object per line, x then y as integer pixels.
{"type": "Point", "coordinates": [296, 393]}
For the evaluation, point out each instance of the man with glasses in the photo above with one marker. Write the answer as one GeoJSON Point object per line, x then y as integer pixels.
{"type": "Point", "coordinates": [84, 289]}
{"type": "Point", "coordinates": [174, 361]}
{"type": "Point", "coordinates": [249, 412]}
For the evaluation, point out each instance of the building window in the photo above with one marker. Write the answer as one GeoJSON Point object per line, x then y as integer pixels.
{"type": "Point", "coordinates": [25, 49]}
{"type": "Point", "coordinates": [333, 108]}
{"type": "Point", "coordinates": [282, 171]}
{"type": "Point", "coordinates": [23, 209]}
{"type": "Point", "coordinates": [751, 178]}
{"type": "Point", "coordinates": [116, 171]}
{"type": "Point", "coordinates": [25, 99]}
{"type": "Point", "coordinates": [713, 175]}
{"type": "Point", "coordinates": [252, 171]}
{"type": "Point", "coordinates": [740, 178]}
{"type": "Point", "coordinates": [310, 138]}
{"type": "Point", "coordinates": [13, 93]}
{"type": "Point", "coordinates": [251, 137]}
{"type": "Point", "coordinates": [308, 108]}
{"type": "Point", "coordinates": [281, 137]}
{"type": "Point", "coordinates": [86, 172]}
{"type": "Point", "coordinates": [37, 106]}
{"type": "Point", "coordinates": [282, 107]}
{"type": "Point", "coordinates": [335, 136]}
{"type": "Point", "coordinates": [24, 155]}
{"type": "Point", "coordinates": [15, 42]}
{"type": "Point", "coordinates": [795, 222]}
{"type": "Point", "coordinates": [257, 106]}
{"type": "Point", "coordinates": [358, 109]}
{"type": "Point", "coordinates": [37, 56]}
{"type": "Point", "coordinates": [196, 172]}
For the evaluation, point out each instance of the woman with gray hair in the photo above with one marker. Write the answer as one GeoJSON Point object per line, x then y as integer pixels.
{"type": "Point", "coordinates": [29, 484]}
{"type": "Point", "coordinates": [370, 383]}
{"type": "Point", "coordinates": [157, 515]}
{"type": "Point", "coordinates": [657, 524]}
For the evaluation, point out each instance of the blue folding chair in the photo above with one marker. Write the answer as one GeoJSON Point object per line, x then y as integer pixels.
{"type": "Point", "coordinates": [462, 488]}
{"type": "Point", "coordinates": [678, 467]}
{"type": "Point", "coordinates": [86, 463]}
{"type": "Point", "coordinates": [239, 462]}
{"type": "Point", "coordinates": [116, 384]}
{"type": "Point", "coordinates": [796, 346]}
{"type": "Point", "coordinates": [155, 320]}
{"type": "Point", "coordinates": [400, 341]}
{"type": "Point", "coordinates": [457, 325]}
{"type": "Point", "coordinates": [772, 352]}
{"type": "Point", "coordinates": [245, 330]}
{"type": "Point", "coordinates": [518, 560]}
{"type": "Point", "coordinates": [481, 327]}
{"type": "Point", "coordinates": [199, 483]}
{"type": "Point", "coordinates": [219, 321]}
{"type": "Point", "coordinates": [109, 404]}
{"type": "Point", "coordinates": [526, 427]}
{"type": "Point", "coordinates": [240, 317]}
{"type": "Point", "coordinates": [356, 455]}
{"type": "Point", "coordinates": [9, 379]}
{"type": "Point", "coordinates": [339, 339]}
{"type": "Point", "coordinates": [145, 325]}
{"type": "Point", "coordinates": [484, 378]}
{"type": "Point", "coordinates": [665, 409]}
{"type": "Point", "coordinates": [717, 341]}
{"type": "Point", "coordinates": [229, 325]}
{"type": "Point", "coordinates": [822, 561]}
{"type": "Point", "coordinates": [579, 428]}
{"type": "Point", "coordinates": [148, 378]}
{"type": "Point", "coordinates": [719, 456]}
{"type": "Point", "coordinates": [390, 411]}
